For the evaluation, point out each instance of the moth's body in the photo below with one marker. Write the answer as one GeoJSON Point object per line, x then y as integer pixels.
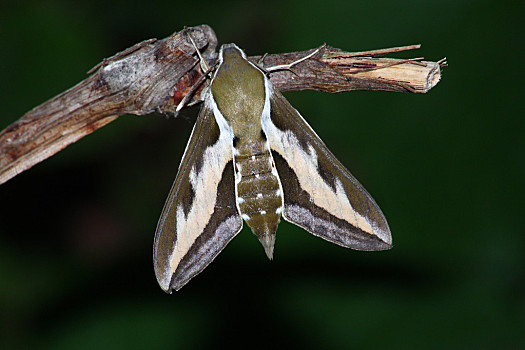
{"type": "Point", "coordinates": [239, 92]}
{"type": "Point", "coordinates": [252, 157]}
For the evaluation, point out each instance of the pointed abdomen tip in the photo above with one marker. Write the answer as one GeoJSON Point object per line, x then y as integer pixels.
{"type": "Point", "coordinates": [268, 242]}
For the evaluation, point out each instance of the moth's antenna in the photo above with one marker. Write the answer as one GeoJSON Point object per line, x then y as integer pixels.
{"type": "Point", "coordinates": [206, 69]}
{"type": "Point", "coordinates": [291, 64]}
{"type": "Point", "coordinates": [204, 65]}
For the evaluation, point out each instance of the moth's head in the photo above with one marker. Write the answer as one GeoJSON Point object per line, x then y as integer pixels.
{"type": "Point", "coordinates": [230, 51]}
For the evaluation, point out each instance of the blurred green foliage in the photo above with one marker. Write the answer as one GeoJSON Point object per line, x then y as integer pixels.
{"type": "Point", "coordinates": [76, 231]}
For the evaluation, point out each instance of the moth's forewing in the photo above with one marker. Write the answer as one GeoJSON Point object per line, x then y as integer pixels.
{"type": "Point", "coordinates": [320, 194]}
{"type": "Point", "coordinates": [200, 215]}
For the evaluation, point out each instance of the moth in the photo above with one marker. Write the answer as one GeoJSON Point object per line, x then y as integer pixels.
{"type": "Point", "coordinates": [252, 157]}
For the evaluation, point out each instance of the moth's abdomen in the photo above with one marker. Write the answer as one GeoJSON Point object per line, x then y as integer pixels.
{"type": "Point", "coordinates": [259, 194]}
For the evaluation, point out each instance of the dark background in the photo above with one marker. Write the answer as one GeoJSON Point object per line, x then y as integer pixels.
{"type": "Point", "coordinates": [76, 231]}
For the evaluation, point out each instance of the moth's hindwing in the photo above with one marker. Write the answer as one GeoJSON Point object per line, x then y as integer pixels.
{"type": "Point", "coordinates": [200, 215]}
{"type": "Point", "coordinates": [320, 194]}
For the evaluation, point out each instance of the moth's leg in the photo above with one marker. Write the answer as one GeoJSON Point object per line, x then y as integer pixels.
{"type": "Point", "coordinates": [189, 94]}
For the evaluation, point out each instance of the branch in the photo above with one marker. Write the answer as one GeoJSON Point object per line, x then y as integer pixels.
{"type": "Point", "coordinates": [333, 70]}
{"type": "Point", "coordinates": [155, 75]}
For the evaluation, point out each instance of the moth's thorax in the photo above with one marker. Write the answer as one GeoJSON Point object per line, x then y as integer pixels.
{"type": "Point", "coordinates": [239, 92]}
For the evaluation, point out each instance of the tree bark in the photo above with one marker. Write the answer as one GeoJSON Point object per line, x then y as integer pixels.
{"type": "Point", "coordinates": [155, 75]}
